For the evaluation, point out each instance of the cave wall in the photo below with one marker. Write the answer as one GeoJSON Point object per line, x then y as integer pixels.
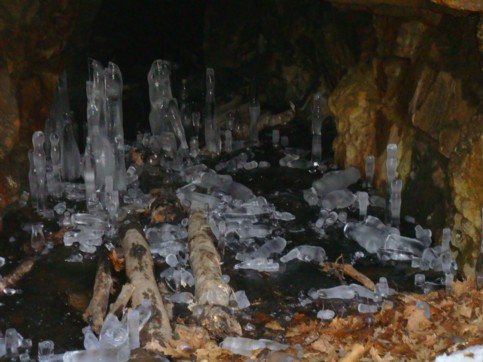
{"type": "Point", "coordinates": [33, 36]}
{"type": "Point", "coordinates": [405, 72]}
{"type": "Point", "coordinates": [421, 89]}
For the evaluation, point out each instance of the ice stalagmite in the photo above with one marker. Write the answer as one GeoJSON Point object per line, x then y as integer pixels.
{"type": "Point", "coordinates": [56, 185]}
{"type": "Point", "coordinates": [317, 118]}
{"type": "Point", "coordinates": [159, 94]}
{"type": "Point", "coordinates": [69, 152]}
{"type": "Point", "coordinates": [113, 108]}
{"type": "Point", "coordinates": [39, 160]}
{"type": "Point", "coordinates": [212, 136]}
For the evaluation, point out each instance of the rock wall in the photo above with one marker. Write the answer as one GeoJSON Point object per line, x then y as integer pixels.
{"type": "Point", "coordinates": [33, 34]}
{"type": "Point", "coordinates": [420, 89]}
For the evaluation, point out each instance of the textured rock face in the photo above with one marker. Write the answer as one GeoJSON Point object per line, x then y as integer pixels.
{"type": "Point", "coordinates": [33, 34]}
{"type": "Point", "coordinates": [423, 97]}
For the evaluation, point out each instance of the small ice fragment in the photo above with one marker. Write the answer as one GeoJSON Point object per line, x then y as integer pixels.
{"type": "Point", "coordinates": [181, 298]}
{"type": "Point", "coordinates": [264, 164]}
{"type": "Point", "coordinates": [260, 264]}
{"type": "Point", "coordinates": [342, 292]}
{"type": "Point", "coordinates": [11, 342]}
{"type": "Point", "coordinates": [284, 216]}
{"type": "Point", "coordinates": [336, 180]}
{"type": "Point", "coordinates": [241, 299]}
{"type": "Point", "coordinates": [75, 258]}
{"type": "Point", "coordinates": [245, 346]}
{"type": "Point", "coordinates": [275, 136]}
{"type": "Point", "coordinates": [366, 308]}
{"type": "Point", "coordinates": [307, 253]}
{"type": "Point", "coordinates": [326, 314]}
{"type": "Point", "coordinates": [11, 239]}
{"type": "Point", "coordinates": [377, 201]}
{"type": "Point", "coordinates": [448, 282]}
{"type": "Point", "coordinates": [424, 307]}
{"type": "Point", "coordinates": [226, 278]}
{"type": "Point", "coordinates": [24, 357]}
{"type": "Point", "coordinates": [311, 197]}
{"type": "Point", "coordinates": [382, 287]}
{"type": "Point", "coordinates": [172, 260]}
{"type": "Point", "coordinates": [338, 199]}
{"type": "Point", "coordinates": [284, 141]}
{"type": "Point", "coordinates": [2, 261]}
{"type": "Point", "coordinates": [342, 217]}
{"type": "Point", "coordinates": [60, 208]}
{"type": "Point", "coordinates": [419, 280]}
{"type": "Point", "coordinates": [250, 165]}
{"type": "Point", "coordinates": [45, 350]}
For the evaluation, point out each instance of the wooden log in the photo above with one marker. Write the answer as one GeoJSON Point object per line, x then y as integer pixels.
{"type": "Point", "coordinates": [211, 292]}
{"type": "Point", "coordinates": [210, 288]}
{"type": "Point", "coordinates": [140, 272]}
{"type": "Point", "coordinates": [97, 309]}
{"type": "Point", "coordinates": [18, 273]}
{"type": "Point", "coordinates": [122, 299]}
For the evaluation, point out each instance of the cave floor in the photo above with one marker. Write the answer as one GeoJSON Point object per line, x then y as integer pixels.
{"type": "Point", "coordinates": [50, 300]}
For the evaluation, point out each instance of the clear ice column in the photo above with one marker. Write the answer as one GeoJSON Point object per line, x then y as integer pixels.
{"type": "Point", "coordinates": [113, 88]}
{"type": "Point", "coordinates": [317, 118]}
{"type": "Point", "coordinates": [39, 159]}
{"type": "Point", "coordinates": [395, 204]}
{"type": "Point", "coordinates": [212, 137]}
{"type": "Point", "coordinates": [391, 166]}
{"type": "Point", "coordinates": [56, 167]}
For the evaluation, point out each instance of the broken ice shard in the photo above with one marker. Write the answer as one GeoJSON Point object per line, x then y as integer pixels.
{"type": "Point", "coordinates": [369, 237]}
{"type": "Point", "coordinates": [133, 328]}
{"type": "Point", "coordinates": [363, 201]}
{"type": "Point", "coordinates": [366, 308]}
{"type": "Point", "coordinates": [336, 180]}
{"type": "Point", "coordinates": [241, 299]}
{"type": "Point", "coordinates": [245, 346]}
{"type": "Point", "coordinates": [343, 292]}
{"type": "Point", "coordinates": [338, 199]}
{"type": "Point", "coordinates": [370, 166]}
{"type": "Point", "coordinates": [307, 253]}
{"type": "Point", "coordinates": [270, 247]}
{"type": "Point", "coordinates": [37, 240]}
{"type": "Point", "coordinates": [275, 136]}
{"type": "Point", "coordinates": [45, 350]}
{"type": "Point", "coordinates": [419, 280]}
{"type": "Point", "coordinates": [400, 247]}
{"type": "Point", "coordinates": [326, 314]}
{"type": "Point", "coordinates": [424, 235]}
{"type": "Point", "coordinates": [260, 264]}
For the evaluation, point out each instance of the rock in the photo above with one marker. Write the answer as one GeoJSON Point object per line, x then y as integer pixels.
{"type": "Point", "coordinates": [469, 5]}
{"type": "Point", "coordinates": [466, 173]}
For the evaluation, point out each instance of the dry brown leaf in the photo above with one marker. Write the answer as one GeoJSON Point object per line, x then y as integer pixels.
{"type": "Point", "coordinates": [116, 261]}
{"type": "Point", "coordinates": [417, 322]}
{"type": "Point", "coordinates": [274, 325]}
{"type": "Point", "coordinates": [323, 344]}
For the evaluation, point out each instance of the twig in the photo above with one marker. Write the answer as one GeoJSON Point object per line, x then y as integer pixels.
{"type": "Point", "coordinates": [349, 270]}
{"type": "Point", "coordinates": [18, 273]}
{"type": "Point", "coordinates": [122, 299]}
{"type": "Point", "coordinates": [97, 309]}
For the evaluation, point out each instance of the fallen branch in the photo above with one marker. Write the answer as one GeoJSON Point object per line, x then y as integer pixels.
{"type": "Point", "coordinates": [18, 273]}
{"type": "Point", "coordinates": [210, 288]}
{"type": "Point", "coordinates": [211, 291]}
{"type": "Point", "coordinates": [349, 270]}
{"type": "Point", "coordinates": [140, 272]}
{"type": "Point", "coordinates": [122, 299]}
{"type": "Point", "coordinates": [97, 309]}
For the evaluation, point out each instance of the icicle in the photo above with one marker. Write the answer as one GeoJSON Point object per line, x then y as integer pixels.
{"type": "Point", "coordinates": [56, 166]}
{"type": "Point", "coordinates": [395, 202]}
{"type": "Point", "coordinates": [391, 166]}
{"type": "Point", "coordinates": [363, 200]}
{"type": "Point", "coordinates": [159, 94]}
{"type": "Point", "coordinates": [89, 174]}
{"type": "Point", "coordinates": [228, 141]}
{"type": "Point", "coordinates": [317, 118]}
